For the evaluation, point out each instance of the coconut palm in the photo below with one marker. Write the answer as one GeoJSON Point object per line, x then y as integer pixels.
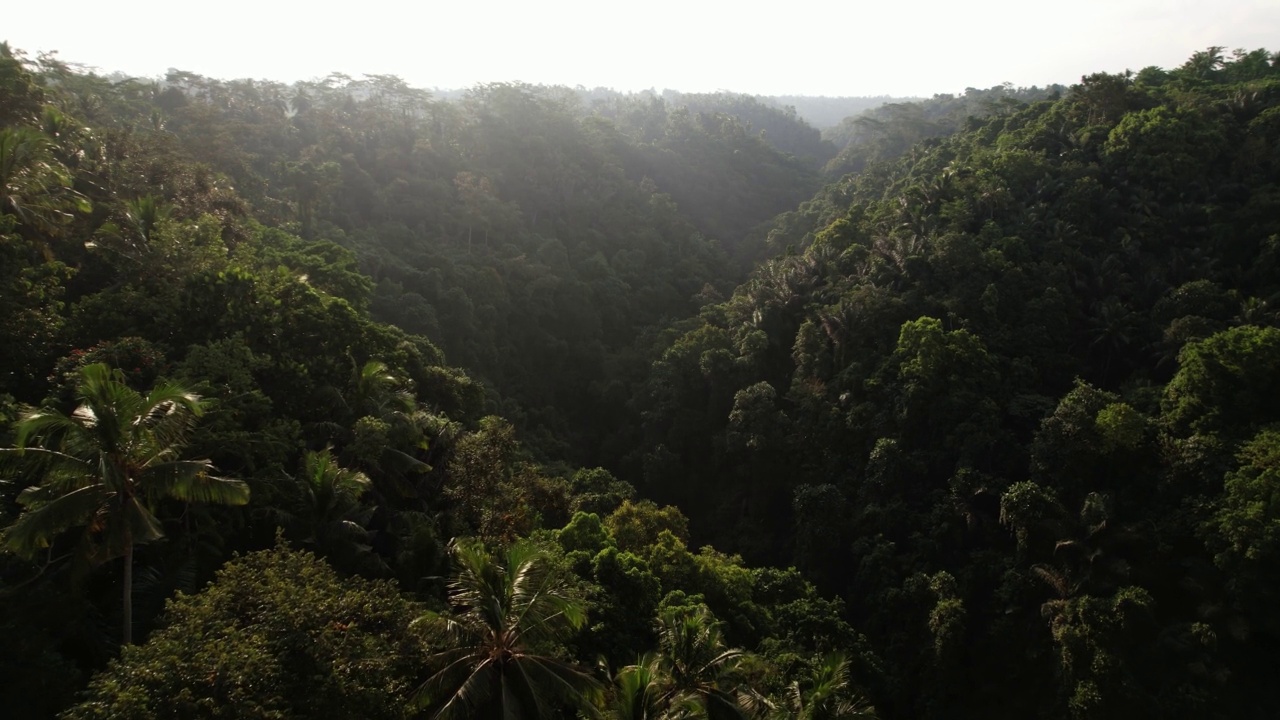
{"type": "Point", "coordinates": [324, 506]}
{"type": "Point", "coordinates": [700, 671]}
{"type": "Point", "coordinates": [376, 390]}
{"type": "Point", "coordinates": [694, 675]}
{"type": "Point", "coordinates": [637, 690]}
{"type": "Point", "coordinates": [825, 695]}
{"type": "Point", "coordinates": [145, 213]}
{"type": "Point", "coordinates": [102, 469]}
{"type": "Point", "coordinates": [508, 613]}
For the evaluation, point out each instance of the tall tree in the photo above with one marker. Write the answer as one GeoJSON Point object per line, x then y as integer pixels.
{"type": "Point", "coordinates": [825, 693]}
{"type": "Point", "coordinates": [695, 675]}
{"type": "Point", "coordinates": [497, 661]}
{"type": "Point", "coordinates": [637, 691]}
{"type": "Point", "coordinates": [324, 506]}
{"type": "Point", "coordinates": [102, 469]}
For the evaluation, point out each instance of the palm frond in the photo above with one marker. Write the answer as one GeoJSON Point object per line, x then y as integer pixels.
{"type": "Point", "coordinates": [399, 461]}
{"type": "Point", "coordinates": [721, 664]}
{"type": "Point", "coordinates": [457, 689]}
{"type": "Point", "coordinates": [190, 481]}
{"type": "Point", "coordinates": [53, 466]}
{"type": "Point", "coordinates": [140, 523]}
{"type": "Point", "coordinates": [636, 690]}
{"type": "Point", "coordinates": [41, 424]}
{"type": "Point", "coordinates": [560, 679]}
{"type": "Point", "coordinates": [542, 611]}
{"type": "Point", "coordinates": [322, 475]}
{"type": "Point", "coordinates": [50, 514]}
{"type": "Point", "coordinates": [498, 603]}
{"type": "Point", "coordinates": [697, 670]}
{"type": "Point", "coordinates": [722, 704]}
{"type": "Point", "coordinates": [829, 678]}
{"type": "Point", "coordinates": [445, 630]}
{"type": "Point", "coordinates": [519, 697]}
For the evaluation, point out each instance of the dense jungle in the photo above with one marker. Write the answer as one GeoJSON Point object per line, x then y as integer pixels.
{"type": "Point", "coordinates": [341, 399]}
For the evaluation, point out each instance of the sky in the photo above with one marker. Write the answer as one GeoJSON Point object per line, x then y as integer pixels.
{"type": "Point", "coordinates": [798, 47]}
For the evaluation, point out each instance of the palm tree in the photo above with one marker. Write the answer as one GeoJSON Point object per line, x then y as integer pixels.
{"type": "Point", "coordinates": [325, 507]}
{"type": "Point", "coordinates": [508, 611]}
{"type": "Point", "coordinates": [1205, 64]}
{"type": "Point", "coordinates": [376, 390]}
{"type": "Point", "coordinates": [145, 213]}
{"type": "Point", "coordinates": [693, 676]}
{"type": "Point", "coordinates": [825, 694]}
{"type": "Point", "coordinates": [637, 690]}
{"type": "Point", "coordinates": [34, 187]}
{"type": "Point", "coordinates": [103, 467]}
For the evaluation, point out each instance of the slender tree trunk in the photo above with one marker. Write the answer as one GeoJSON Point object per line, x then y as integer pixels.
{"type": "Point", "coordinates": [127, 621]}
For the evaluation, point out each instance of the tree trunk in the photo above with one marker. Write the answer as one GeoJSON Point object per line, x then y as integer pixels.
{"type": "Point", "coordinates": [127, 620]}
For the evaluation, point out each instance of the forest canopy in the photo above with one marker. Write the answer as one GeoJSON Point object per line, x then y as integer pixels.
{"type": "Point", "coordinates": [341, 399]}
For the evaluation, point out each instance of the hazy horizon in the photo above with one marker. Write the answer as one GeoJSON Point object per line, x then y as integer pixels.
{"type": "Point", "coordinates": [812, 49]}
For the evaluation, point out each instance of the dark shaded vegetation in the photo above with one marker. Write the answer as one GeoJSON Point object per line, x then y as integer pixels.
{"type": "Point", "coordinates": [1009, 396]}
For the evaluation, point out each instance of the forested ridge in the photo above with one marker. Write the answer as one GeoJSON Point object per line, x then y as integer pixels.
{"type": "Point", "coordinates": [339, 399]}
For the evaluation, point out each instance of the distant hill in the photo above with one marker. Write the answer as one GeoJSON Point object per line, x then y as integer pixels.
{"type": "Point", "coordinates": [825, 112]}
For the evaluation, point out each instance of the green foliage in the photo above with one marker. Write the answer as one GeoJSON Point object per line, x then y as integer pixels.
{"type": "Point", "coordinates": [826, 693]}
{"type": "Point", "coordinates": [1091, 440]}
{"type": "Point", "coordinates": [821, 512]}
{"type": "Point", "coordinates": [281, 635]}
{"type": "Point", "coordinates": [31, 304]}
{"type": "Point", "coordinates": [497, 495]}
{"type": "Point", "coordinates": [22, 95]}
{"type": "Point", "coordinates": [1005, 393]}
{"type": "Point", "coordinates": [242, 432]}
{"type": "Point", "coordinates": [496, 652]}
{"type": "Point", "coordinates": [780, 127]}
{"type": "Point", "coordinates": [1047, 317]}
{"type": "Point", "coordinates": [889, 130]}
{"type": "Point", "coordinates": [118, 447]}
{"type": "Point", "coordinates": [635, 526]}
{"type": "Point", "coordinates": [597, 491]}
{"type": "Point", "coordinates": [1093, 635]}
{"type": "Point", "coordinates": [324, 509]}
{"type": "Point", "coordinates": [1250, 519]}
{"type": "Point", "coordinates": [323, 264]}
{"type": "Point", "coordinates": [1164, 147]}
{"type": "Point", "coordinates": [35, 188]}
{"type": "Point", "coordinates": [694, 672]}
{"type": "Point", "coordinates": [584, 533]}
{"type": "Point", "coordinates": [952, 375]}
{"type": "Point", "coordinates": [623, 602]}
{"type": "Point", "coordinates": [1244, 529]}
{"type": "Point", "coordinates": [1121, 427]}
{"type": "Point", "coordinates": [102, 471]}
{"type": "Point", "coordinates": [1226, 383]}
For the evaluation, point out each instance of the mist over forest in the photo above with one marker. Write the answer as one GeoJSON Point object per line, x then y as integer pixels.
{"type": "Point", "coordinates": [349, 399]}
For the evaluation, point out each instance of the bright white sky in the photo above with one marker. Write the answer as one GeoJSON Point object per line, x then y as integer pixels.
{"type": "Point", "coordinates": [799, 47]}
